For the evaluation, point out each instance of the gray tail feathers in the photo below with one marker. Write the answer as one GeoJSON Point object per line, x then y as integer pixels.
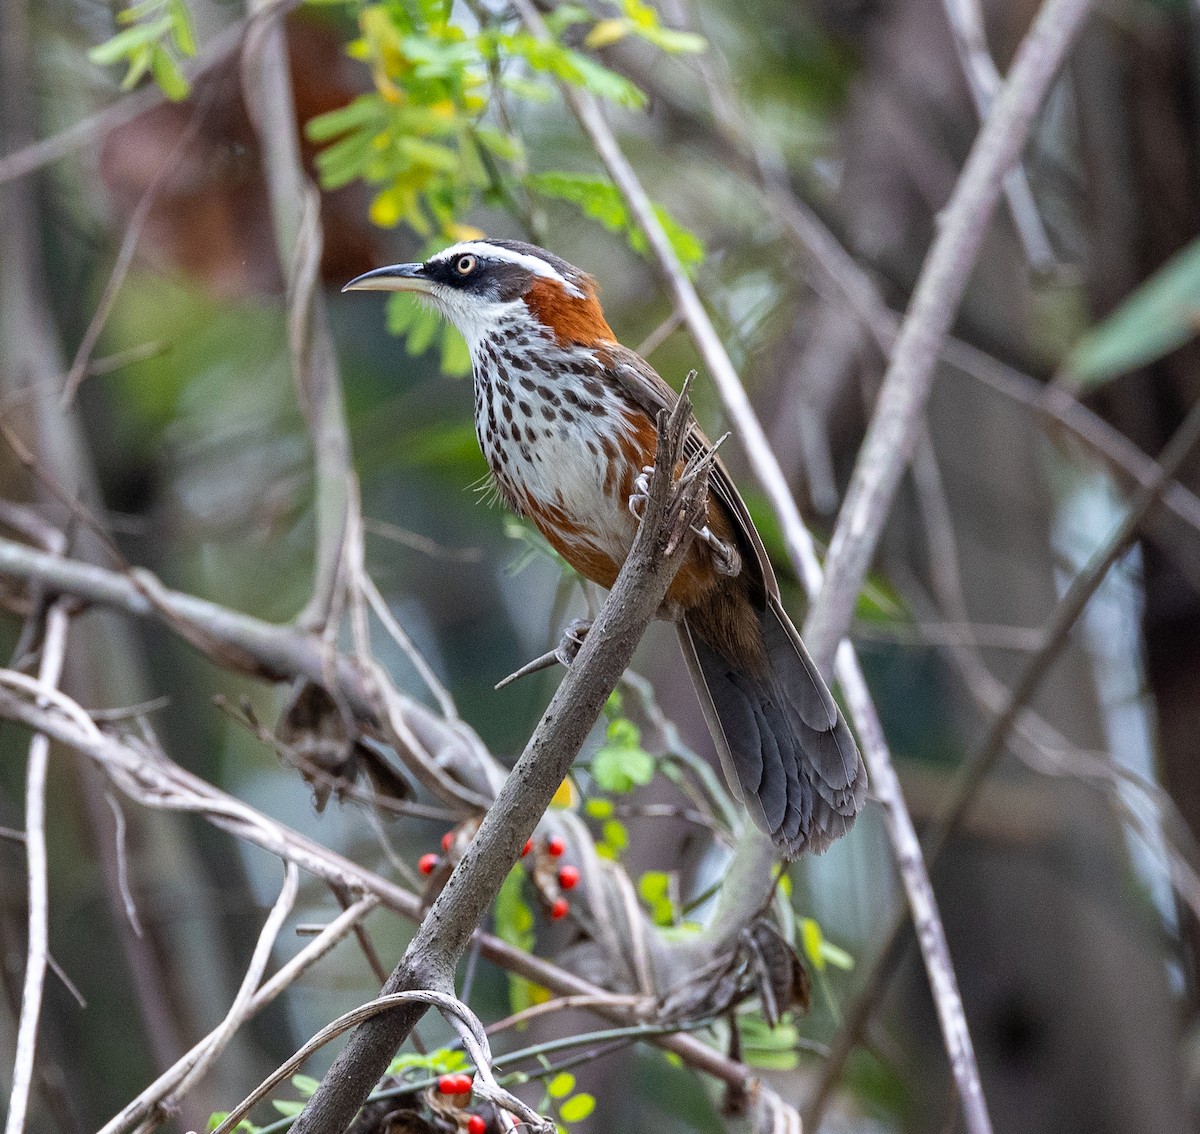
{"type": "Point", "coordinates": [784, 746]}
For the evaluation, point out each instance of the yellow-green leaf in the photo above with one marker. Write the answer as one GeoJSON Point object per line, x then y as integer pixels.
{"type": "Point", "coordinates": [561, 1085]}
{"type": "Point", "coordinates": [577, 1108]}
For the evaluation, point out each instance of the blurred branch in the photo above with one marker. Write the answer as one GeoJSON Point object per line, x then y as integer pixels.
{"type": "Point", "coordinates": [54, 645]}
{"type": "Point", "coordinates": [152, 1097]}
{"type": "Point", "coordinates": [975, 769]}
{"type": "Point", "coordinates": [963, 224]}
{"type": "Point", "coordinates": [296, 209]}
{"type": "Point", "coordinates": [737, 140]}
{"type": "Point", "coordinates": [662, 540]}
{"type": "Point", "coordinates": [81, 365]}
{"type": "Point", "coordinates": [29, 159]}
{"type": "Point", "coordinates": [749, 875]}
{"type": "Point", "coordinates": [983, 80]}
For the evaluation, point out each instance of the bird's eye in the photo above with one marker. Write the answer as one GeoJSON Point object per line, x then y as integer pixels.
{"type": "Point", "coordinates": [464, 265]}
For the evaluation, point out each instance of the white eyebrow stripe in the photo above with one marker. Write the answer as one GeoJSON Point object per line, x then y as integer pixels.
{"type": "Point", "coordinates": [529, 263]}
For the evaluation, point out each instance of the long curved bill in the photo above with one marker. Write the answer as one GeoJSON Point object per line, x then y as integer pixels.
{"type": "Point", "coordinates": [398, 277]}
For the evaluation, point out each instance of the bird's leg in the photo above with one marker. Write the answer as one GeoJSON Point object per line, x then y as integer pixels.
{"type": "Point", "coordinates": [563, 654]}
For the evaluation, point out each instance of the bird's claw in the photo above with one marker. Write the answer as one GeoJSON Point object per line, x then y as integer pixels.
{"type": "Point", "coordinates": [563, 654]}
{"type": "Point", "coordinates": [726, 559]}
{"type": "Point", "coordinates": [640, 496]}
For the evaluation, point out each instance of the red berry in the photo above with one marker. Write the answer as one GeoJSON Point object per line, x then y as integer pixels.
{"type": "Point", "coordinates": [476, 1124]}
{"type": "Point", "coordinates": [428, 863]}
{"type": "Point", "coordinates": [527, 847]}
{"type": "Point", "coordinates": [559, 908]}
{"type": "Point", "coordinates": [568, 877]}
{"type": "Point", "coordinates": [555, 846]}
{"type": "Point", "coordinates": [447, 840]}
{"type": "Point", "coordinates": [455, 1084]}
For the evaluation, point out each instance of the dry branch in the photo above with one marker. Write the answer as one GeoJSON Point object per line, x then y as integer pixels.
{"type": "Point", "coordinates": [50, 670]}
{"type": "Point", "coordinates": [662, 540]}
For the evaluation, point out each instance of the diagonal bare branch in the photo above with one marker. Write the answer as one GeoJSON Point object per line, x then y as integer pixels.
{"type": "Point", "coordinates": [893, 432]}
{"type": "Point", "coordinates": [663, 538]}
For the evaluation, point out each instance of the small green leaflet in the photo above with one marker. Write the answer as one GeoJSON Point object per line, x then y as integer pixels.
{"type": "Point", "coordinates": [600, 199]}
{"type": "Point", "coordinates": [577, 1108]}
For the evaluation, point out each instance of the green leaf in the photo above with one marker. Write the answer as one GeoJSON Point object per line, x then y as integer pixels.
{"type": "Point", "coordinates": [289, 1108]}
{"type": "Point", "coordinates": [615, 835]}
{"type": "Point", "coordinates": [244, 1127]}
{"type": "Point", "coordinates": [125, 44]}
{"type": "Point", "coordinates": [623, 733]}
{"type": "Point", "coordinates": [305, 1084]}
{"type": "Point", "coordinates": [619, 769]}
{"type": "Point", "coordinates": [514, 918]}
{"type": "Point", "coordinates": [577, 1108]}
{"type": "Point", "coordinates": [653, 885]}
{"type": "Point", "coordinates": [561, 1085]}
{"type": "Point", "coordinates": [811, 939]}
{"type": "Point", "coordinates": [183, 31]}
{"type": "Point", "coordinates": [771, 1048]}
{"type": "Point", "coordinates": [363, 111]}
{"type": "Point", "coordinates": [456, 356]}
{"type": "Point", "coordinates": [168, 75]}
{"type": "Point", "coordinates": [1162, 315]}
{"type": "Point", "coordinates": [821, 951]}
{"type": "Point", "coordinates": [601, 200]}
{"type": "Point", "coordinates": [599, 808]}
{"type": "Point", "coordinates": [527, 89]}
{"type": "Point", "coordinates": [402, 310]}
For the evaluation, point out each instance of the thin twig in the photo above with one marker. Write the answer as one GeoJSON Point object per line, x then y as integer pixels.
{"type": "Point", "coordinates": [378, 604]}
{"type": "Point", "coordinates": [296, 212]}
{"type": "Point", "coordinates": [465, 1021]}
{"type": "Point", "coordinates": [152, 1096]}
{"type": "Point", "coordinates": [49, 672]}
{"type": "Point", "coordinates": [154, 781]}
{"type": "Point", "coordinates": [983, 80]}
{"type": "Point", "coordinates": [39, 154]}
{"type": "Point", "coordinates": [131, 913]}
{"type": "Point", "coordinates": [240, 1007]}
{"type": "Point", "coordinates": [81, 366]}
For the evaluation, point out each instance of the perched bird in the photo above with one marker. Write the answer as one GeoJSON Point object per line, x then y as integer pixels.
{"type": "Point", "coordinates": [565, 416]}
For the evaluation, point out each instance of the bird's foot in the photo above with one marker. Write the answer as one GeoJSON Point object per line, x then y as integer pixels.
{"type": "Point", "coordinates": [640, 496]}
{"type": "Point", "coordinates": [563, 654]}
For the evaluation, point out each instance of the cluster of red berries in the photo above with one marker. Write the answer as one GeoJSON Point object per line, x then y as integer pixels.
{"type": "Point", "coordinates": [461, 1085]}
{"type": "Point", "coordinates": [556, 847]}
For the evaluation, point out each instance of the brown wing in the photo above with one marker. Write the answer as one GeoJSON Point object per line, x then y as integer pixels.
{"type": "Point", "coordinates": [639, 381]}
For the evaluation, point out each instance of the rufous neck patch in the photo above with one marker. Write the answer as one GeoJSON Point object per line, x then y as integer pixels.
{"type": "Point", "coordinates": [575, 322]}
